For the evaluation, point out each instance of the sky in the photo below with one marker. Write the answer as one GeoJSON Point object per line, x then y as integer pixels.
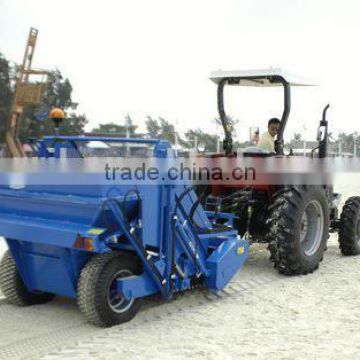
{"type": "Point", "coordinates": [154, 57]}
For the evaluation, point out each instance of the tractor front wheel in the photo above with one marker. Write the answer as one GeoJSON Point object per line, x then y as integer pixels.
{"type": "Point", "coordinates": [14, 288]}
{"type": "Point", "coordinates": [349, 229]}
{"type": "Point", "coordinates": [299, 229]}
{"type": "Point", "coordinates": [98, 298]}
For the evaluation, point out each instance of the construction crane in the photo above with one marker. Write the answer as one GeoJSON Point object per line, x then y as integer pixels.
{"type": "Point", "coordinates": [30, 86]}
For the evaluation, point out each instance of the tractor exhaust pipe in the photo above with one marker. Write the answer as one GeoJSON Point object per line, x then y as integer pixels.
{"type": "Point", "coordinates": [323, 134]}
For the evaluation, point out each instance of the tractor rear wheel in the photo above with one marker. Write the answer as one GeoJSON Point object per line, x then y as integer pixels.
{"type": "Point", "coordinates": [349, 229]}
{"type": "Point", "coordinates": [14, 288]}
{"type": "Point", "coordinates": [98, 298]}
{"type": "Point", "coordinates": [299, 229]}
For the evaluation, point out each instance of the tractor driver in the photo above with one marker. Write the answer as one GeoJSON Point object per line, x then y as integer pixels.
{"type": "Point", "coordinates": [267, 139]}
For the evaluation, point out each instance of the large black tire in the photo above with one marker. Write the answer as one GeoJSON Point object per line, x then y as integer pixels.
{"type": "Point", "coordinates": [13, 287]}
{"type": "Point", "coordinates": [94, 289]}
{"type": "Point", "coordinates": [299, 229]}
{"type": "Point", "coordinates": [349, 228]}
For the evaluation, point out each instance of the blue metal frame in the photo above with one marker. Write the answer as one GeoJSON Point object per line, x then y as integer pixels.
{"type": "Point", "coordinates": [52, 235]}
{"type": "Point", "coordinates": [50, 146]}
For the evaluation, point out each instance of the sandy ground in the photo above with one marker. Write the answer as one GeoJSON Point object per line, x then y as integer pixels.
{"type": "Point", "coordinates": [260, 315]}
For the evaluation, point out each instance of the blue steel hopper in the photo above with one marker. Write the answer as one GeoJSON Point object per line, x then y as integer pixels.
{"type": "Point", "coordinates": [108, 247]}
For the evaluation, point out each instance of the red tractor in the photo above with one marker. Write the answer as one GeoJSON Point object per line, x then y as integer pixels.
{"type": "Point", "coordinates": [295, 220]}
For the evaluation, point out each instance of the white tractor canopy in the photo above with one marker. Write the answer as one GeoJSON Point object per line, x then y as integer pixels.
{"type": "Point", "coordinates": [261, 78]}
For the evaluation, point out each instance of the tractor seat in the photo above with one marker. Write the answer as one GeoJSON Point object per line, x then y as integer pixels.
{"type": "Point", "coordinates": [254, 151]}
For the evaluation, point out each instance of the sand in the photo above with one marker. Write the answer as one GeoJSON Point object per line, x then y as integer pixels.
{"type": "Point", "coordinates": [261, 315]}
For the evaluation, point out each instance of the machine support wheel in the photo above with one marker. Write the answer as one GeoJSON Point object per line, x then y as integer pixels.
{"type": "Point", "coordinates": [13, 287]}
{"type": "Point", "coordinates": [98, 299]}
{"type": "Point", "coordinates": [299, 229]}
{"type": "Point", "coordinates": [349, 229]}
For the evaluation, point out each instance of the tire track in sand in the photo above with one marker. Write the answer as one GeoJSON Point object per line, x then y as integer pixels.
{"type": "Point", "coordinates": [69, 328]}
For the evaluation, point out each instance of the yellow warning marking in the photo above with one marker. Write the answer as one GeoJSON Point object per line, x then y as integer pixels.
{"type": "Point", "coordinates": [240, 250]}
{"type": "Point", "coordinates": [95, 231]}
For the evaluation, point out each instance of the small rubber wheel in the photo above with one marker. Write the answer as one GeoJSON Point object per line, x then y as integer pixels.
{"type": "Point", "coordinates": [14, 288]}
{"type": "Point", "coordinates": [349, 229]}
{"type": "Point", "coordinates": [98, 299]}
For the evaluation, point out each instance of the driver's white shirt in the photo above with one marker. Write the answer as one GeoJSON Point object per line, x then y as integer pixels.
{"type": "Point", "coordinates": [267, 142]}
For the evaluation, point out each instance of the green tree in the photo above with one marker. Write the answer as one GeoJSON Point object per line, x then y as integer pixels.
{"type": "Point", "coordinates": [348, 141]}
{"type": "Point", "coordinates": [116, 129]}
{"type": "Point", "coordinates": [129, 126]}
{"type": "Point", "coordinates": [58, 93]}
{"type": "Point", "coordinates": [167, 131]}
{"type": "Point", "coordinates": [153, 127]}
{"type": "Point", "coordinates": [110, 128]}
{"type": "Point", "coordinates": [208, 140]}
{"type": "Point", "coordinates": [6, 95]}
{"type": "Point", "coordinates": [161, 129]}
{"type": "Point", "coordinates": [231, 123]}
